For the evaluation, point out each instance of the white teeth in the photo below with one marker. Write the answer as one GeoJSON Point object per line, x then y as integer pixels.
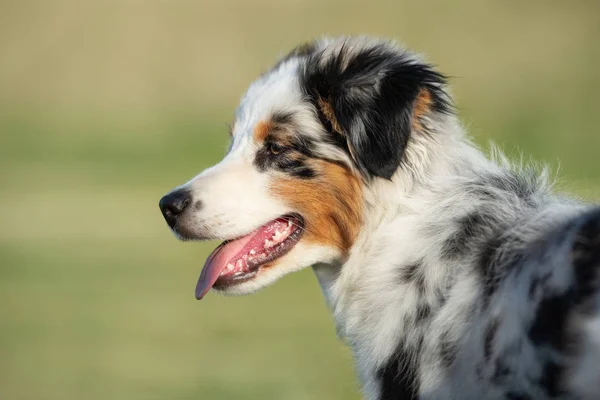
{"type": "Point", "coordinates": [268, 244]}
{"type": "Point", "coordinates": [252, 252]}
{"type": "Point", "coordinates": [239, 263]}
{"type": "Point", "coordinates": [278, 235]}
{"type": "Point", "coordinates": [229, 267]}
{"type": "Point", "coordinates": [289, 222]}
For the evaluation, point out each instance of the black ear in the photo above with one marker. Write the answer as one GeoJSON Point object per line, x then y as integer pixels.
{"type": "Point", "coordinates": [372, 94]}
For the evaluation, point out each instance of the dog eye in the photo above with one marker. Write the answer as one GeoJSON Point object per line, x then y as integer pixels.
{"type": "Point", "coordinates": [275, 148]}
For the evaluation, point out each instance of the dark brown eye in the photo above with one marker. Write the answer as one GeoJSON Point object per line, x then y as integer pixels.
{"type": "Point", "coordinates": [275, 148]}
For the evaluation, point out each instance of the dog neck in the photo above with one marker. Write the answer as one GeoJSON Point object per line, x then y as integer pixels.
{"type": "Point", "coordinates": [364, 291]}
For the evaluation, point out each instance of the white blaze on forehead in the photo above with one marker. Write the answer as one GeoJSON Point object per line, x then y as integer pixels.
{"type": "Point", "coordinates": [276, 91]}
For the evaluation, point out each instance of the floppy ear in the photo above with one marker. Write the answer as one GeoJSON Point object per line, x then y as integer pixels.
{"type": "Point", "coordinates": [373, 95]}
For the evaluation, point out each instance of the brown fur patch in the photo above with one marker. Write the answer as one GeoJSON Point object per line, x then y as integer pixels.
{"type": "Point", "coordinates": [422, 107]}
{"type": "Point", "coordinates": [327, 111]}
{"type": "Point", "coordinates": [331, 204]}
{"type": "Point", "coordinates": [262, 130]}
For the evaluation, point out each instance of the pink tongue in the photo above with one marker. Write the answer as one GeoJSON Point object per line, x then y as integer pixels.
{"type": "Point", "coordinates": [225, 253]}
{"type": "Point", "coordinates": [216, 262]}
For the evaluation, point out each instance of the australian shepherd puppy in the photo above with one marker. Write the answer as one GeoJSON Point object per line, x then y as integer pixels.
{"type": "Point", "coordinates": [450, 275]}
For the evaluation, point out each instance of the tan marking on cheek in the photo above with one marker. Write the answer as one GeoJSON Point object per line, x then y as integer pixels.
{"type": "Point", "coordinates": [261, 130]}
{"type": "Point", "coordinates": [421, 108]}
{"type": "Point", "coordinates": [330, 204]}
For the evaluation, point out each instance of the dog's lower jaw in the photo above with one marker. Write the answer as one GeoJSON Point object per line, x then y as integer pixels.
{"type": "Point", "coordinates": [302, 255]}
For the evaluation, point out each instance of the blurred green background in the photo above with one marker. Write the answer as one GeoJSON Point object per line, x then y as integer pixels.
{"type": "Point", "coordinates": [106, 105]}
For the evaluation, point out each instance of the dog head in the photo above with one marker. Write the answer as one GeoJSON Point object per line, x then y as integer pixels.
{"type": "Point", "coordinates": [308, 137]}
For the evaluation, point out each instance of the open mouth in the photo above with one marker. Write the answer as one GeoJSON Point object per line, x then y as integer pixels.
{"type": "Point", "coordinates": [238, 260]}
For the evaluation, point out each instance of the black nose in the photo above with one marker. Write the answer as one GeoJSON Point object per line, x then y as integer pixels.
{"type": "Point", "coordinates": [173, 204]}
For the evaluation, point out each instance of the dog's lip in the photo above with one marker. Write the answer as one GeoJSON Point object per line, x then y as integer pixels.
{"type": "Point", "coordinates": [238, 260]}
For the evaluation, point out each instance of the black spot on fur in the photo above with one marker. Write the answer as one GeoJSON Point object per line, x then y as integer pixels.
{"type": "Point", "coordinates": [549, 324]}
{"type": "Point", "coordinates": [423, 312]}
{"type": "Point", "coordinates": [479, 371]}
{"type": "Point", "coordinates": [409, 272]}
{"type": "Point", "coordinates": [501, 372]}
{"type": "Point", "coordinates": [517, 396]}
{"type": "Point", "coordinates": [482, 234]}
{"type": "Point", "coordinates": [537, 284]}
{"type": "Point", "coordinates": [399, 376]}
{"type": "Point", "coordinates": [371, 93]}
{"type": "Point", "coordinates": [550, 328]}
{"type": "Point", "coordinates": [586, 260]}
{"type": "Point", "coordinates": [502, 254]}
{"type": "Point", "coordinates": [470, 227]}
{"type": "Point", "coordinates": [552, 378]}
{"type": "Point", "coordinates": [488, 341]}
{"type": "Point", "coordinates": [448, 350]}
{"type": "Point", "coordinates": [413, 274]}
{"type": "Point", "coordinates": [522, 185]}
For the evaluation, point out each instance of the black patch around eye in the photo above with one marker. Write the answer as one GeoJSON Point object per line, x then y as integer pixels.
{"type": "Point", "coordinates": [275, 148]}
{"type": "Point", "coordinates": [304, 173]}
{"type": "Point", "coordinates": [263, 159]}
{"type": "Point", "coordinates": [286, 161]}
{"type": "Point", "coordinates": [291, 158]}
{"type": "Point", "coordinates": [295, 167]}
